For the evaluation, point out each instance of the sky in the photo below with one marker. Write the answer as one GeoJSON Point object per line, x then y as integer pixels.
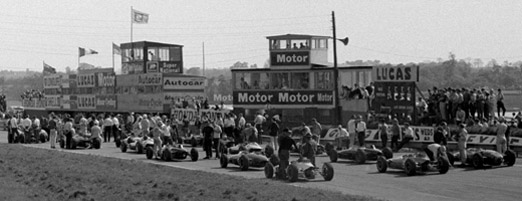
{"type": "Point", "coordinates": [399, 31]}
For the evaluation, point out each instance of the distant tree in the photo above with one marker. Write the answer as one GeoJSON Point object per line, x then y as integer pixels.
{"type": "Point", "coordinates": [194, 71]}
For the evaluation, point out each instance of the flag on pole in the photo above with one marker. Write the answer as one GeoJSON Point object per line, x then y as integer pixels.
{"type": "Point", "coordinates": [139, 17]}
{"type": "Point", "coordinates": [82, 52]}
{"type": "Point", "coordinates": [48, 69]}
{"type": "Point", "coordinates": [116, 49]}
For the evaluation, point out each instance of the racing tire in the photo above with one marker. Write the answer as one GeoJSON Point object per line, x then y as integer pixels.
{"type": "Point", "coordinates": [360, 156]}
{"type": "Point", "coordinates": [223, 161]}
{"type": "Point", "coordinates": [510, 157]}
{"type": "Point", "coordinates": [328, 147]}
{"type": "Point", "coordinates": [96, 143]}
{"type": "Point", "coordinates": [477, 161]}
{"type": "Point", "coordinates": [139, 147]}
{"type": "Point", "coordinates": [387, 152]}
{"type": "Point", "coordinates": [444, 165]}
{"type": "Point", "coordinates": [43, 138]}
{"type": "Point", "coordinates": [194, 155]}
{"type": "Point", "coordinates": [166, 155]}
{"type": "Point", "coordinates": [274, 160]}
{"type": "Point", "coordinates": [410, 167]}
{"type": "Point", "coordinates": [62, 143]}
{"type": "Point", "coordinates": [269, 170]}
{"type": "Point", "coordinates": [269, 151]}
{"type": "Point", "coordinates": [333, 156]}
{"type": "Point", "coordinates": [149, 152]}
{"type": "Point", "coordinates": [292, 172]}
{"type": "Point", "coordinates": [243, 163]}
{"type": "Point", "coordinates": [123, 147]}
{"type": "Point", "coordinates": [328, 171]}
{"type": "Point", "coordinates": [382, 164]}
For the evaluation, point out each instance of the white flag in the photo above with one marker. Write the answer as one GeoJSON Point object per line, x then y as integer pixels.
{"type": "Point", "coordinates": [139, 17]}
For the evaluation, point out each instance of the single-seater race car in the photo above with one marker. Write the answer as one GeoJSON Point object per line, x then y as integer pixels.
{"type": "Point", "coordinates": [412, 163]}
{"type": "Point", "coordinates": [135, 143]}
{"type": "Point", "coordinates": [172, 152]}
{"type": "Point", "coordinates": [81, 141]}
{"type": "Point", "coordinates": [359, 155]}
{"type": "Point", "coordinates": [245, 156]}
{"type": "Point", "coordinates": [481, 157]}
{"type": "Point", "coordinates": [301, 169]}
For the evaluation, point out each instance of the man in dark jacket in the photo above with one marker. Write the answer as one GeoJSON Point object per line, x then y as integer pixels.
{"type": "Point", "coordinates": [285, 145]}
{"type": "Point", "coordinates": [208, 132]}
{"type": "Point", "coordinates": [440, 134]}
{"type": "Point", "coordinates": [273, 132]}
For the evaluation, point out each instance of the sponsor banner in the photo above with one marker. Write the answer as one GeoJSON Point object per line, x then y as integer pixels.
{"type": "Point", "coordinates": [171, 66]}
{"type": "Point", "coordinates": [220, 98]}
{"type": "Point", "coordinates": [394, 98]}
{"type": "Point", "coordinates": [69, 102]}
{"type": "Point", "coordinates": [193, 114]}
{"type": "Point", "coordinates": [172, 97]}
{"type": "Point", "coordinates": [86, 102]}
{"type": "Point", "coordinates": [106, 102]}
{"type": "Point", "coordinates": [284, 97]}
{"type": "Point", "coordinates": [425, 135]}
{"type": "Point", "coordinates": [127, 80]}
{"type": "Point", "coordinates": [140, 102]}
{"type": "Point", "coordinates": [34, 103]}
{"type": "Point", "coordinates": [86, 80]}
{"type": "Point", "coordinates": [53, 101]}
{"type": "Point", "coordinates": [106, 79]}
{"type": "Point", "coordinates": [65, 82]}
{"type": "Point", "coordinates": [152, 67]}
{"type": "Point", "coordinates": [184, 83]}
{"type": "Point", "coordinates": [149, 79]}
{"type": "Point", "coordinates": [297, 58]}
{"type": "Point", "coordinates": [52, 81]}
{"type": "Point", "coordinates": [395, 74]}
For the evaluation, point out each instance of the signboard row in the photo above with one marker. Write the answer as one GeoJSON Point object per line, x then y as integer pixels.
{"type": "Point", "coordinates": [284, 97]}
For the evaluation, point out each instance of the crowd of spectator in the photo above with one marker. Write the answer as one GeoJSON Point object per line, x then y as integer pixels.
{"type": "Point", "coordinates": [32, 95]}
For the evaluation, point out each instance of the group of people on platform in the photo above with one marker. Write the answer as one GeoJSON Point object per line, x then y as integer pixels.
{"type": "Point", "coordinates": [458, 105]}
{"type": "Point", "coordinates": [32, 94]}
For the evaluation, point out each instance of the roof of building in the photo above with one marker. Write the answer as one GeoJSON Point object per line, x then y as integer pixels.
{"type": "Point", "coordinates": [295, 36]}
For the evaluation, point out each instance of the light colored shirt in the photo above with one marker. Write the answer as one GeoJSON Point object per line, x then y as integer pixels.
{"type": "Point", "coordinates": [115, 121]}
{"type": "Point", "coordinates": [229, 122]}
{"type": "Point", "coordinates": [241, 122]}
{"type": "Point", "coordinates": [217, 132]}
{"type": "Point", "coordinates": [259, 119]}
{"type": "Point", "coordinates": [501, 131]}
{"type": "Point", "coordinates": [108, 122]}
{"type": "Point", "coordinates": [26, 122]}
{"type": "Point", "coordinates": [361, 126]}
{"type": "Point", "coordinates": [14, 122]}
{"type": "Point", "coordinates": [95, 131]}
{"type": "Point", "coordinates": [36, 122]}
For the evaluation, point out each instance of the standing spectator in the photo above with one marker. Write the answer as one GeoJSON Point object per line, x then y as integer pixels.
{"type": "Point", "coordinates": [69, 132]}
{"type": "Point", "coordinates": [316, 128]}
{"type": "Point", "coordinates": [45, 125]}
{"type": "Point", "coordinates": [501, 136]}
{"type": "Point", "coordinates": [309, 148]}
{"type": "Point", "coordinates": [208, 132]}
{"type": "Point", "coordinates": [215, 138]}
{"type": "Point", "coordinates": [96, 131]}
{"type": "Point", "coordinates": [285, 145]}
{"type": "Point", "coordinates": [481, 97]}
{"type": "Point", "coordinates": [52, 128]}
{"type": "Point", "coordinates": [492, 103]}
{"type": "Point", "coordinates": [156, 137]}
{"type": "Point", "coordinates": [408, 135]}
{"type": "Point", "coordinates": [167, 135]}
{"type": "Point", "coordinates": [500, 103]}
{"type": "Point", "coordinates": [13, 125]}
{"type": "Point", "coordinates": [26, 125]}
{"type": "Point", "coordinates": [36, 127]}
{"type": "Point", "coordinates": [264, 127]}
{"type": "Point", "coordinates": [343, 136]}
{"type": "Point", "coordinates": [460, 117]}
{"type": "Point", "coordinates": [145, 126]}
{"type": "Point", "coordinates": [461, 139]}
{"type": "Point", "coordinates": [230, 124]}
{"type": "Point", "coordinates": [258, 121]}
{"type": "Point", "coordinates": [351, 131]}
{"type": "Point", "coordinates": [116, 127]}
{"type": "Point", "coordinates": [360, 128]}
{"type": "Point", "coordinates": [107, 129]}
{"type": "Point", "coordinates": [240, 126]}
{"type": "Point", "coordinates": [441, 133]}
{"type": "Point", "coordinates": [383, 130]}
{"type": "Point", "coordinates": [273, 130]}
{"type": "Point", "coordinates": [83, 125]}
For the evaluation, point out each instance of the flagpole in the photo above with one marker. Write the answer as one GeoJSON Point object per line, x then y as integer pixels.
{"type": "Point", "coordinates": [113, 67]}
{"type": "Point", "coordinates": [132, 18]}
{"type": "Point", "coordinates": [132, 45]}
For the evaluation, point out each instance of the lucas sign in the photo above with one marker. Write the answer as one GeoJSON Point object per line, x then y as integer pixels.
{"type": "Point", "coordinates": [395, 74]}
{"type": "Point", "coordinates": [289, 58]}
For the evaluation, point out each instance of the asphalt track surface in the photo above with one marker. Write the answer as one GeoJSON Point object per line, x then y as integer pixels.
{"type": "Point", "coordinates": [498, 183]}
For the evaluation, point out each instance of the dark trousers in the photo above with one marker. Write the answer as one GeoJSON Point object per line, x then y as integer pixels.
{"type": "Point", "coordinates": [207, 146]}
{"type": "Point", "coordinates": [500, 105]}
{"type": "Point", "coordinates": [404, 141]}
{"type": "Point", "coordinates": [167, 140]}
{"type": "Point", "coordinates": [395, 142]}
{"type": "Point", "coordinates": [107, 134]}
{"type": "Point", "coordinates": [229, 131]}
{"type": "Point", "coordinates": [68, 139]}
{"type": "Point", "coordinates": [284, 157]}
{"type": "Point", "coordinates": [361, 136]}
{"type": "Point", "coordinates": [237, 137]}
{"type": "Point", "coordinates": [384, 140]}
{"type": "Point", "coordinates": [10, 135]}
{"type": "Point", "coordinates": [215, 143]}
{"type": "Point", "coordinates": [116, 132]}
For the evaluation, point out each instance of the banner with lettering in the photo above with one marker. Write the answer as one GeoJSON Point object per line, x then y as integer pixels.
{"type": "Point", "coordinates": [53, 101]}
{"type": "Point", "coordinates": [86, 102]}
{"type": "Point", "coordinates": [140, 102]}
{"type": "Point", "coordinates": [184, 83]}
{"type": "Point", "coordinates": [86, 80]}
{"type": "Point", "coordinates": [52, 81]}
{"type": "Point", "coordinates": [69, 102]}
{"type": "Point", "coordinates": [322, 97]}
{"type": "Point", "coordinates": [390, 73]}
{"type": "Point", "coordinates": [193, 114]}
{"type": "Point", "coordinates": [172, 97]}
{"type": "Point", "coordinates": [106, 102]}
